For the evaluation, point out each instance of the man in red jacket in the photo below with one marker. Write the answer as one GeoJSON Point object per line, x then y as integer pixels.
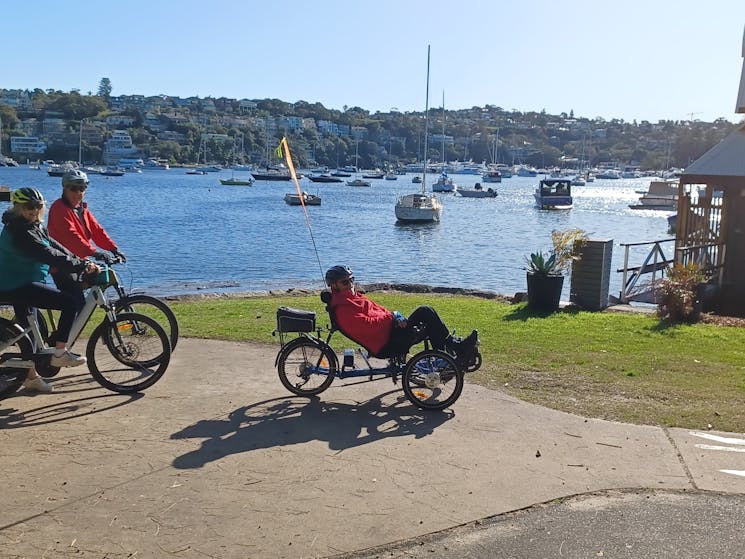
{"type": "Point", "coordinates": [73, 225]}
{"type": "Point", "coordinates": [379, 329]}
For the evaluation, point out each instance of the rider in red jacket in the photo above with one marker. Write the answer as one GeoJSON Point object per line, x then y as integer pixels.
{"type": "Point", "coordinates": [377, 328]}
{"type": "Point", "coordinates": [73, 225]}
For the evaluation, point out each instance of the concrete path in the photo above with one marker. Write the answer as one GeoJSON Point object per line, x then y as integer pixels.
{"type": "Point", "coordinates": [219, 460]}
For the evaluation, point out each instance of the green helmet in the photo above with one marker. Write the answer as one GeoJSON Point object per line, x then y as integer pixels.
{"type": "Point", "coordinates": [74, 177]}
{"type": "Point", "coordinates": [27, 194]}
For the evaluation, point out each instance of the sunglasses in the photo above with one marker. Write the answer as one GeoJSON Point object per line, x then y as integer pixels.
{"type": "Point", "coordinates": [77, 188]}
{"type": "Point", "coordinates": [347, 281]}
{"type": "Point", "coordinates": [33, 205]}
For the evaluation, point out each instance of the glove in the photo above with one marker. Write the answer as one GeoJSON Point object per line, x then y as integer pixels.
{"type": "Point", "coordinates": [119, 255]}
{"type": "Point", "coordinates": [104, 256]}
{"type": "Point", "coordinates": [398, 317]}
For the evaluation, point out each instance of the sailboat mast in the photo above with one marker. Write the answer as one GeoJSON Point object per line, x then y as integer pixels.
{"type": "Point", "coordinates": [443, 130]}
{"type": "Point", "coordinates": [426, 127]}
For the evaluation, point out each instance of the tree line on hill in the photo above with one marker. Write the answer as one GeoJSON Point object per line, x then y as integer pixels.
{"type": "Point", "coordinates": [490, 134]}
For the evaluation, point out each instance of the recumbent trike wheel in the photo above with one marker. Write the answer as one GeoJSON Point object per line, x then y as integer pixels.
{"type": "Point", "coordinates": [432, 380]}
{"type": "Point", "coordinates": [306, 367]}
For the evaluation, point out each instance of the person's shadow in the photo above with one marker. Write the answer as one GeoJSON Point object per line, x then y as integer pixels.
{"type": "Point", "coordinates": [282, 421]}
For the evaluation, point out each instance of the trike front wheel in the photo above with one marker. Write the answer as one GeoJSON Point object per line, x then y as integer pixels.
{"type": "Point", "coordinates": [306, 367]}
{"type": "Point", "coordinates": [432, 380]}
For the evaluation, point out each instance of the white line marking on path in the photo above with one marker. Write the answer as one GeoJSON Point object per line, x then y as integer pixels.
{"type": "Point", "coordinates": [719, 439]}
{"type": "Point", "coordinates": [716, 447]}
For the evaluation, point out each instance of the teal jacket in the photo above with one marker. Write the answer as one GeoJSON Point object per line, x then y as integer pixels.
{"type": "Point", "coordinates": [27, 253]}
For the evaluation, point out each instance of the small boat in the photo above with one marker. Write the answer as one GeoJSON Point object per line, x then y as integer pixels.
{"type": "Point", "coordinates": [341, 173]}
{"type": "Point", "coordinates": [59, 169]}
{"type": "Point", "coordinates": [579, 180]}
{"type": "Point", "coordinates": [294, 199]}
{"type": "Point", "coordinates": [196, 172]}
{"type": "Point", "coordinates": [236, 182]}
{"type": "Point", "coordinates": [661, 195]}
{"type": "Point", "coordinates": [554, 194]}
{"type": "Point", "coordinates": [373, 174]}
{"type": "Point", "coordinates": [271, 175]}
{"type": "Point", "coordinates": [324, 177]}
{"type": "Point", "coordinates": [417, 180]}
{"type": "Point", "coordinates": [477, 192]}
{"type": "Point", "coordinates": [492, 176]}
{"type": "Point", "coordinates": [444, 184]}
{"type": "Point", "coordinates": [391, 176]}
{"type": "Point", "coordinates": [358, 182]}
{"type": "Point", "coordinates": [112, 172]}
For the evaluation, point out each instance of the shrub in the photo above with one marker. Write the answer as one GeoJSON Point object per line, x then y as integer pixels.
{"type": "Point", "coordinates": [676, 293]}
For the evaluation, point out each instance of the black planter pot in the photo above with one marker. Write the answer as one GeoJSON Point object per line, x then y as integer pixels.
{"type": "Point", "coordinates": [544, 292]}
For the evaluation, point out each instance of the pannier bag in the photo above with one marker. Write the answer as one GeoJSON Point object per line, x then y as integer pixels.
{"type": "Point", "coordinates": [295, 320]}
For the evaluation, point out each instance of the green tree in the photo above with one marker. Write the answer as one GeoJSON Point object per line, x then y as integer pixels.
{"type": "Point", "coordinates": [104, 88]}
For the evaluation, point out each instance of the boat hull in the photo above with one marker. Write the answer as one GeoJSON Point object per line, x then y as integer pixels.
{"type": "Point", "coordinates": [418, 208]}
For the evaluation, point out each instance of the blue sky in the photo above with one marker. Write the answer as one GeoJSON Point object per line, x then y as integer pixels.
{"type": "Point", "coordinates": [634, 59]}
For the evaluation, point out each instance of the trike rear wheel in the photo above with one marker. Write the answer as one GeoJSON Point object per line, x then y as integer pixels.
{"type": "Point", "coordinates": [306, 367]}
{"type": "Point", "coordinates": [432, 380]}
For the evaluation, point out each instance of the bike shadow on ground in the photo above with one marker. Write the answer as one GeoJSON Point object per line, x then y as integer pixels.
{"type": "Point", "coordinates": [59, 407]}
{"type": "Point", "coordinates": [281, 421]}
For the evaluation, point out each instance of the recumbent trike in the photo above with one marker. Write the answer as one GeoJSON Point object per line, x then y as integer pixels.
{"type": "Point", "coordinates": [307, 364]}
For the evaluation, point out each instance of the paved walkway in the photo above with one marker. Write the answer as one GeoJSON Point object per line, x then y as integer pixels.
{"type": "Point", "coordinates": [218, 460]}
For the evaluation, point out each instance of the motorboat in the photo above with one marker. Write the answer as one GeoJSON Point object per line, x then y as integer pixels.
{"type": "Point", "coordinates": [492, 175]}
{"type": "Point", "coordinates": [373, 174]}
{"type": "Point", "coordinates": [612, 174]}
{"type": "Point", "coordinates": [196, 172]}
{"type": "Point", "coordinates": [444, 184]}
{"type": "Point", "coordinates": [554, 194]}
{"type": "Point", "coordinates": [661, 195]}
{"type": "Point", "coordinates": [358, 182]}
{"type": "Point", "coordinates": [477, 192]}
{"type": "Point", "coordinates": [420, 207]}
{"type": "Point", "coordinates": [59, 169]}
{"type": "Point", "coordinates": [237, 182]}
{"type": "Point", "coordinates": [417, 180]}
{"type": "Point", "coordinates": [271, 175]}
{"type": "Point", "coordinates": [294, 199]}
{"type": "Point", "coordinates": [112, 172]}
{"type": "Point", "coordinates": [390, 176]}
{"type": "Point", "coordinates": [579, 180]}
{"type": "Point", "coordinates": [324, 177]}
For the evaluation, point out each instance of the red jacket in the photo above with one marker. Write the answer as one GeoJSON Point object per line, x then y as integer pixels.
{"type": "Point", "coordinates": [363, 320]}
{"type": "Point", "coordinates": [66, 228]}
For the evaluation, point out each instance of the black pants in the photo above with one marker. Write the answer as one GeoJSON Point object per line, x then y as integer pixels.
{"type": "Point", "coordinates": [424, 322]}
{"type": "Point", "coordinates": [43, 296]}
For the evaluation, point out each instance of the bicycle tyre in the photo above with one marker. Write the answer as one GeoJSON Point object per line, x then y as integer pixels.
{"type": "Point", "coordinates": [154, 308]}
{"type": "Point", "coordinates": [432, 380]}
{"type": "Point", "coordinates": [303, 361]}
{"type": "Point", "coordinates": [129, 354]}
{"type": "Point", "coordinates": [11, 378]}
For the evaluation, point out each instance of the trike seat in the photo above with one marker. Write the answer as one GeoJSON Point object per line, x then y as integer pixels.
{"type": "Point", "coordinates": [388, 351]}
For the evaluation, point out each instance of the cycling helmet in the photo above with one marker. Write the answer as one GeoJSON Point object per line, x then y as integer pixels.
{"type": "Point", "coordinates": [27, 194]}
{"type": "Point", "coordinates": [336, 273]}
{"type": "Point", "coordinates": [74, 177]}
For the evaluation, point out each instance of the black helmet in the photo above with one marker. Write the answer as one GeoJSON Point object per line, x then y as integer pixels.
{"type": "Point", "coordinates": [74, 177]}
{"type": "Point", "coordinates": [336, 273]}
{"type": "Point", "coordinates": [27, 194]}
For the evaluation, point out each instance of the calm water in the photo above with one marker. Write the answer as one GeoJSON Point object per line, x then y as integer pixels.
{"type": "Point", "coordinates": [187, 233]}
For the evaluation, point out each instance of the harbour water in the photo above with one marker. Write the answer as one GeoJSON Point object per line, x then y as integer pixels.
{"type": "Point", "coordinates": [189, 234]}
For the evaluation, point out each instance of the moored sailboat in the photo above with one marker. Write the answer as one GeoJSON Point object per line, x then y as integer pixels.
{"type": "Point", "coordinates": [420, 207]}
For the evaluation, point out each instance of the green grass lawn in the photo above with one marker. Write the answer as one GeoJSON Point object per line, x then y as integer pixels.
{"type": "Point", "coordinates": [619, 366]}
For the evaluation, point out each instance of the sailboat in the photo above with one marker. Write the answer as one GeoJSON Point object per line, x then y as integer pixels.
{"type": "Point", "coordinates": [444, 183]}
{"type": "Point", "coordinates": [357, 181]}
{"type": "Point", "coordinates": [420, 206]}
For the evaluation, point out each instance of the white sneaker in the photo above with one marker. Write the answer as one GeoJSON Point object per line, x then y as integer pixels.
{"type": "Point", "coordinates": [38, 385]}
{"type": "Point", "coordinates": [67, 359]}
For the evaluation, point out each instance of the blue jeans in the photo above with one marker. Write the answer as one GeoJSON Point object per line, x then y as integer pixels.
{"type": "Point", "coordinates": [43, 296]}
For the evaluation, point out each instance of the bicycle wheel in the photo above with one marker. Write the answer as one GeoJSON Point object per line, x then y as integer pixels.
{"type": "Point", "coordinates": [11, 378]}
{"type": "Point", "coordinates": [154, 308]}
{"type": "Point", "coordinates": [432, 380]}
{"type": "Point", "coordinates": [306, 367]}
{"type": "Point", "coordinates": [128, 354]}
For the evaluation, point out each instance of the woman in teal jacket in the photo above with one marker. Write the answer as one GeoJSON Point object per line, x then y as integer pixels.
{"type": "Point", "coordinates": [26, 255]}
